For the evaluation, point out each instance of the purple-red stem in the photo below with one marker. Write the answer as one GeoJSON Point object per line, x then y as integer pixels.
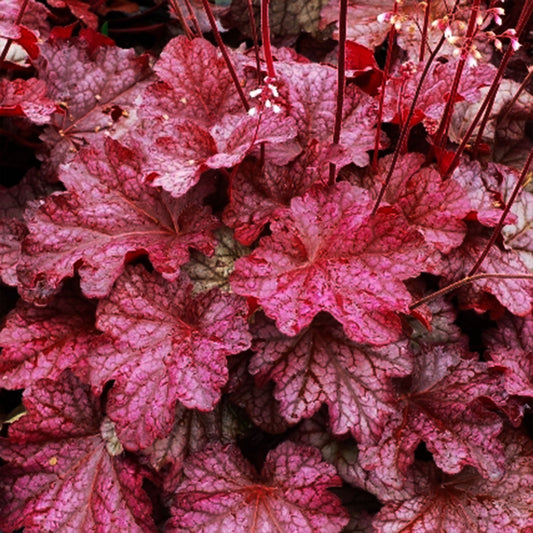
{"type": "Point", "coordinates": [341, 81]}
{"type": "Point", "coordinates": [468, 279]}
{"type": "Point", "coordinates": [192, 16]}
{"type": "Point", "coordinates": [386, 72]}
{"type": "Point", "coordinates": [18, 20]}
{"type": "Point", "coordinates": [522, 21]}
{"type": "Point", "coordinates": [508, 205]}
{"type": "Point", "coordinates": [253, 29]}
{"type": "Point", "coordinates": [225, 54]}
{"type": "Point", "coordinates": [177, 10]}
{"type": "Point", "coordinates": [450, 104]}
{"type": "Point", "coordinates": [424, 32]}
{"type": "Point", "coordinates": [405, 127]}
{"type": "Point", "coordinates": [265, 32]}
{"type": "Point", "coordinates": [488, 100]}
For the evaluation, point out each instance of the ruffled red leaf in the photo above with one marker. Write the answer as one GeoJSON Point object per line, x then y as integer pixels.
{"type": "Point", "coordinates": [510, 347]}
{"type": "Point", "coordinates": [26, 98]}
{"type": "Point", "coordinates": [172, 346]}
{"type": "Point", "coordinates": [222, 492]}
{"type": "Point", "coordinates": [321, 365]}
{"type": "Point", "coordinates": [107, 215]}
{"type": "Point", "coordinates": [65, 470]}
{"type": "Point", "coordinates": [442, 407]}
{"type": "Point", "coordinates": [466, 501]}
{"type": "Point", "coordinates": [515, 294]}
{"type": "Point", "coordinates": [328, 253]}
{"type": "Point", "coordinates": [433, 206]}
{"type": "Point", "coordinates": [41, 342]}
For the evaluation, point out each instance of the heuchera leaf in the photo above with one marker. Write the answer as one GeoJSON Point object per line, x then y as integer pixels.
{"type": "Point", "coordinates": [435, 89]}
{"type": "Point", "coordinates": [96, 90]}
{"type": "Point", "coordinates": [209, 272]}
{"type": "Point", "coordinates": [257, 399]}
{"type": "Point", "coordinates": [466, 501]}
{"type": "Point", "coordinates": [257, 191]}
{"type": "Point", "coordinates": [26, 98]}
{"type": "Point", "coordinates": [191, 432]}
{"type": "Point", "coordinates": [222, 492]}
{"type": "Point", "coordinates": [106, 215]}
{"type": "Point", "coordinates": [312, 98]}
{"type": "Point", "coordinates": [65, 470]}
{"type": "Point", "coordinates": [41, 342]}
{"type": "Point", "coordinates": [321, 365]}
{"type": "Point", "coordinates": [327, 253]}
{"type": "Point", "coordinates": [173, 347]}
{"type": "Point", "coordinates": [515, 294]}
{"type": "Point", "coordinates": [12, 227]}
{"type": "Point", "coordinates": [433, 206]}
{"type": "Point", "coordinates": [510, 347]}
{"type": "Point", "coordinates": [200, 94]}
{"type": "Point", "coordinates": [441, 407]}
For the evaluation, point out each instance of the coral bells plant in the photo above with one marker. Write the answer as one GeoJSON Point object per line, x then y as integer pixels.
{"type": "Point", "coordinates": [266, 266]}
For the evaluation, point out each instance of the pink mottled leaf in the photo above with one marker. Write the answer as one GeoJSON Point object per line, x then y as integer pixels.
{"type": "Point", "coordinates": [96, 90]}
{"type": "Point", "coordinates": [510, 347]}
{"type": "Point", "coordinates": [321, 365]}
{"type": "Point", "coordinates": [106, 215]}
{"type": "Point", "coordinates": [170, 346]}
{"type": "Point", "coordinates": [466, 501]}
{"type": "Point", "coordinates": [515, 294]}
{"type": "Point", "coordinates": [26, 98]}
{"type": "Point", "coordinates": [221, 491]}
{"type": "Point", "coordinates": [328, 253]}
{"type": "Point", "coordinates": [441, 406]}
{"type": "Point", "coordinates": [40, 342]}
{"type": "Point", "coordinates": [256, 399]}
{"type": "Point", "coordinates": [433, 206]}
{"type": "Point", "coordinates": [65, 468]}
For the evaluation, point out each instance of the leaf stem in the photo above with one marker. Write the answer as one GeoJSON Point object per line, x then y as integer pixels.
{"type": "Point", "coordinates": [253, 29]}
{"type": "Point", "coordinates": [179, 14]}
{"type": "Point", "coordinates": [450, 104]}
{"type": "Point", "coordinates": [508, 205]}
{"type": "Point", "coordinates": [192, 16]}
{"type": "Point", "coordinates": [468, 279]}
{"type": "Point", "coordinates": [386, 72]}
{"type": "Point", "coordinates": [522, 21]}
{"type": "Point", "coordinates": [225, 54]}
{"type": "Point", "coordinates": [406, 125]}
{"type": "Point", "coordinates": [18, 20]}
{"type": "Point", "coordinates": [341, 82]}
{"type": "Point", "coordinates": [265, 32]}
{"type": "Point", "coordinates": [424, 32]}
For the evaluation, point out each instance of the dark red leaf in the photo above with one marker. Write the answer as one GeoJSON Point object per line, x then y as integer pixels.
{"type": "Point", "coordinates": [108, 213]}
{"type": "Point", "coordinates": [170, 346]}
{"type": "Point", "coordinates": [321, 365]}
{"type": "Point", "coordinates": [222, 492]}
{"type": "Point", "coordinates": [65, 467]}
{"type": "Point", "coordinates": [327, 253]}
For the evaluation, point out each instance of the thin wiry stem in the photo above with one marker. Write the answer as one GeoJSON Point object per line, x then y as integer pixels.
{"type": "Point", "coordinates": [424, 31]}
{"type": "Point", "coordinates": [225, 54]}
{"type": "Point", "coordinates": [508, 205]}
{"type": "Point", "coordinates": [253, 29]}
{"type": "Point", "coordinates": [442, 132]}
{"type": "Point", "coordinates": [386, 72]}
{"type": "Point", "coordinates": [179, 14]}
{"type": "Point", "coordinates": [525, 15]}
{"type": "Point", "coordinates": [468, 279]}
{"type": "Point", "coordinates": [18, 20]}
{"type": "Point", "coordinates": [405, 127]}
{"type": "Point", "coordinates": [341, 82]}
{"type": "Point", "coordinates": [265, 32]}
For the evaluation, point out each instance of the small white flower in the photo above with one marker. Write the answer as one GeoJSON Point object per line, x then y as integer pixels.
{"type": "Point", "coordinates": [256, 92]}
{"type": "Point", "coordinates": [252, 111]}
{"type": "Point", "coordinates": [276, 108]}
